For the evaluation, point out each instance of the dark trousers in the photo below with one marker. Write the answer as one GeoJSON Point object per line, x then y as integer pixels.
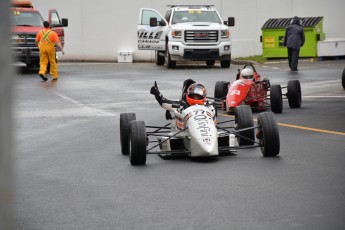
{"type": "Point", "coordinates": [293, 55]}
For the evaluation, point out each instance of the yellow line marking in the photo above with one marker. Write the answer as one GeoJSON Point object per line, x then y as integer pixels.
{"type": "Point", "coordinates": [312, 129]}
{"type": "Point", "coordinates": [301, 127]}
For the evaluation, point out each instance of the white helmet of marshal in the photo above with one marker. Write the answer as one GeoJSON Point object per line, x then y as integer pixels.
{"type": "Point", "coordinates": [247, 73]}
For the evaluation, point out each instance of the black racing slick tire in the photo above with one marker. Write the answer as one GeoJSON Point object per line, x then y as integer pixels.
{"type": "Point", "coordinates": [160, 58]}
{"type": "Point", "coordinates": [294, 94]}
{"type": "Point", "coordinates": [244, 119]}
{"type": "Point", "coordinates": [137, 142]}
{"type": "Point", "coordinates": [268, 134]}
{"type": "Point", "coordinates": [125, 119]}
{"type": "Point", "coordinates": [276, 99]}
{"type": "Point", "coordinates": [343, 79]}
{"type": "Point", "coordinates": [221, 89]}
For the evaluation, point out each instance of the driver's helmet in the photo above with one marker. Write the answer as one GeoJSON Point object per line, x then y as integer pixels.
{"type": "Point", "coordinates": [196, 94]}
{"type": "Point", "coordinates": [247, 73]}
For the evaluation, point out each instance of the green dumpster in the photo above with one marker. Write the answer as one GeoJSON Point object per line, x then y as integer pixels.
{"type": "Point", "coordinates": [273, 33]}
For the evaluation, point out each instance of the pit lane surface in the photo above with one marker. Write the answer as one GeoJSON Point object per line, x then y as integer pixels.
{"type": "Point", "coordinates": [70, 173]}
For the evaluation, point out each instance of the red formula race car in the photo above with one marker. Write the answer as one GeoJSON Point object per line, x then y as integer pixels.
{"type": "Point", "coordinates": [259, 94]}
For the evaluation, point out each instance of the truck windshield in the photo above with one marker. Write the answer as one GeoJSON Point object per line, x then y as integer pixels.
{"type": "Point", "coordinates": [21, 18]}
{"type": "Point", "coordinates": [195, 16]}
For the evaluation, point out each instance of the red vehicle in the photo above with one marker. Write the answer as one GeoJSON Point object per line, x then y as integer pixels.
{"type": "Point", "coordinates": [27, 23]}
{"type": "Point", "coordinates": [258, 94]}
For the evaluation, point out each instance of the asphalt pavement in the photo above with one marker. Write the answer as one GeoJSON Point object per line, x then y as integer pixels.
{"type": "Point", "coordinates": [70, 173]}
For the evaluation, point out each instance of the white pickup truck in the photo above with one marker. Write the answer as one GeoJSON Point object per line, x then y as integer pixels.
{"type": "Point", "coordinates": [187, 32]}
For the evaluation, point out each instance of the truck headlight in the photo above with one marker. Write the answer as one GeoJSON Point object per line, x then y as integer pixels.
{"type": "Point", "coordinates": [176, 34]}
{"type": "Point", "coordinates": [225, 33]}
{"type": "Point", "coordinates": [17, 40]}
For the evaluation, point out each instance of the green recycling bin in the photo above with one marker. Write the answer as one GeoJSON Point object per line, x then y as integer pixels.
{"type": "Point", "coordinates": [273, 34]}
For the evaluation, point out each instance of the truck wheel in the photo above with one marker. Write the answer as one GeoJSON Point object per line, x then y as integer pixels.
{"type": "Point", "coordinates": [244, 119]}
{"type": "Point", "coordinates": [294, 94]}
{"type": "Point", "coordinates": [170, 64]}
{"type": "Point", "coordinates": [221, 89]}
{"type": "Point", "coordinates": [268, 134]}
{"type": "Point", "coordinates": [276, 99]}
{"type": "Point", "coordinates": [160, 58]}
{"type": "Point", "coordinates": [137, 140]}
{"type": "Point", "coordinates": [210, 62]}
{"type": "Point", "coordinates": [125, 119]}
{"type": "Point", "coordinates": [343, 79]}
{"type": "Point", "coordinates": [225, 63]}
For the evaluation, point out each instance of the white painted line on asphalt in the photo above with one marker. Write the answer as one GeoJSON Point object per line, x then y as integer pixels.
{"type": "Point", "coordinates": [90, 109]}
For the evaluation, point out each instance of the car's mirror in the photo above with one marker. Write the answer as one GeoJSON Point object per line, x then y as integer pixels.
{"type": "Point", "coordinates": [230, 21]}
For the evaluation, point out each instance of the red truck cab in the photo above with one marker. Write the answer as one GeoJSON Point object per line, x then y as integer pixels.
{"type": "Point", "coordinates": [27, 22]}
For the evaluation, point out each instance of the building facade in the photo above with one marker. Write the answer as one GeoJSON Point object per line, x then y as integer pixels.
{"type": "Point", "coordinates": [99, 29]}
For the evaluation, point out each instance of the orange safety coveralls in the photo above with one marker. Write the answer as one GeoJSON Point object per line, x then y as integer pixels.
{"type": "Point", "coordinates": [46, 43]}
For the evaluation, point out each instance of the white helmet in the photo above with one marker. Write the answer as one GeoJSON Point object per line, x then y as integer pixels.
{"type": "Point", "coordinates": [247, 73]}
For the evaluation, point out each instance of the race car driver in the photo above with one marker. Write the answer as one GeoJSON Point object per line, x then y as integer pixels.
{"type": "Point", "coordinates": [247, 73]}
{"type": "Point", "coordinates": [192, 94]}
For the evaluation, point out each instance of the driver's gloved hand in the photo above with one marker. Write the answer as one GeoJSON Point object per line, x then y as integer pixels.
{"type": "Point", "coordinates": [155, 91]}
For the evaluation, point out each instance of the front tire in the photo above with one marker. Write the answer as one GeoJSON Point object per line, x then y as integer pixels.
{"type": "Point", "coordinates": [160, 58]}
{"type": "Point", "coordinates": [268, 132]}
{"type": "Point", "coordinates": [169, 63]}
{"type": "Point", "coordinates": [225, 63]}
{"type": "Point", "coordinates": [137, 141]}
{"type": "Point", "coordinates": [294, 94]}
{"type": "Point", "coordinates": [244, 119]}
{"type": "Point", "coordinates": [125, 119]}
{"type": "Point", "coordinates": [276, 99]}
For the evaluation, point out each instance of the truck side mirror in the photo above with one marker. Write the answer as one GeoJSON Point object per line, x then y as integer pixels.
{"type": "Point", "coordinates": [230, 21]}
{"type": "Point", "coordinates": [64, 22]}
{"type": "Point", "coordinates": [153, 22]}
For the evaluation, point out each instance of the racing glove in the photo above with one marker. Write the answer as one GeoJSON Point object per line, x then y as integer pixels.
{"type": "Point", "coordinates": [155, 91]}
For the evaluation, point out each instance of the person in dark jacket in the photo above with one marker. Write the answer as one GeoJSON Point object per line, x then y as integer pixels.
{"type": "Point", "coordinates": [294, 39]}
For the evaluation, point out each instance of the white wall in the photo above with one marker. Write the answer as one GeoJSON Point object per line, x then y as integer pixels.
{"type": "Point", "coordinates": [98, 29]}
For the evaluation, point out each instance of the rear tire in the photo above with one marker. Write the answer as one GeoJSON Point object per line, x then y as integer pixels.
{"type": "Point", "coordinates": [276, 99]}
{"type": "Point", "coordinates": [294, 94]}
{"type": "Point", "coordinates": [269, 134]}
{"type": "Point", "coordinates": [244, 119]}
{"type": "Point", "coordinates": [137, 140]}
{"type": "Point", "coordinates": [221, 89]}
{"type": "Point", "coordinates": [125, 119]}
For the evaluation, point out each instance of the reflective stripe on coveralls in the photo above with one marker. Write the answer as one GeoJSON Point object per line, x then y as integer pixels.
{"type": "Point", "coordinates": [47, 54]}
{"type": "Point", "coordinates": [45, 36]}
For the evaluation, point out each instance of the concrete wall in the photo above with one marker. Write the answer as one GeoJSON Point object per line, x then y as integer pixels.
{"type": "Point", "coordinates": [98, 29]}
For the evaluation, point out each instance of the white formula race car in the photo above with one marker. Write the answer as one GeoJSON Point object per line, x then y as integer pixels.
{"type": "Point", "coordinates": [195, 132]}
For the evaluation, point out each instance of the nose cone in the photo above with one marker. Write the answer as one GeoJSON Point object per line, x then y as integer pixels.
{"type": "Point", "coordinates": [204, 147]}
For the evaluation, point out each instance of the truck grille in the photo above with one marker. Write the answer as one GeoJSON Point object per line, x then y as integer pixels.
{"type": "Point", "coordinates": [202, 36]}
{"type": "Point", "coordinates": [24, 39]}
